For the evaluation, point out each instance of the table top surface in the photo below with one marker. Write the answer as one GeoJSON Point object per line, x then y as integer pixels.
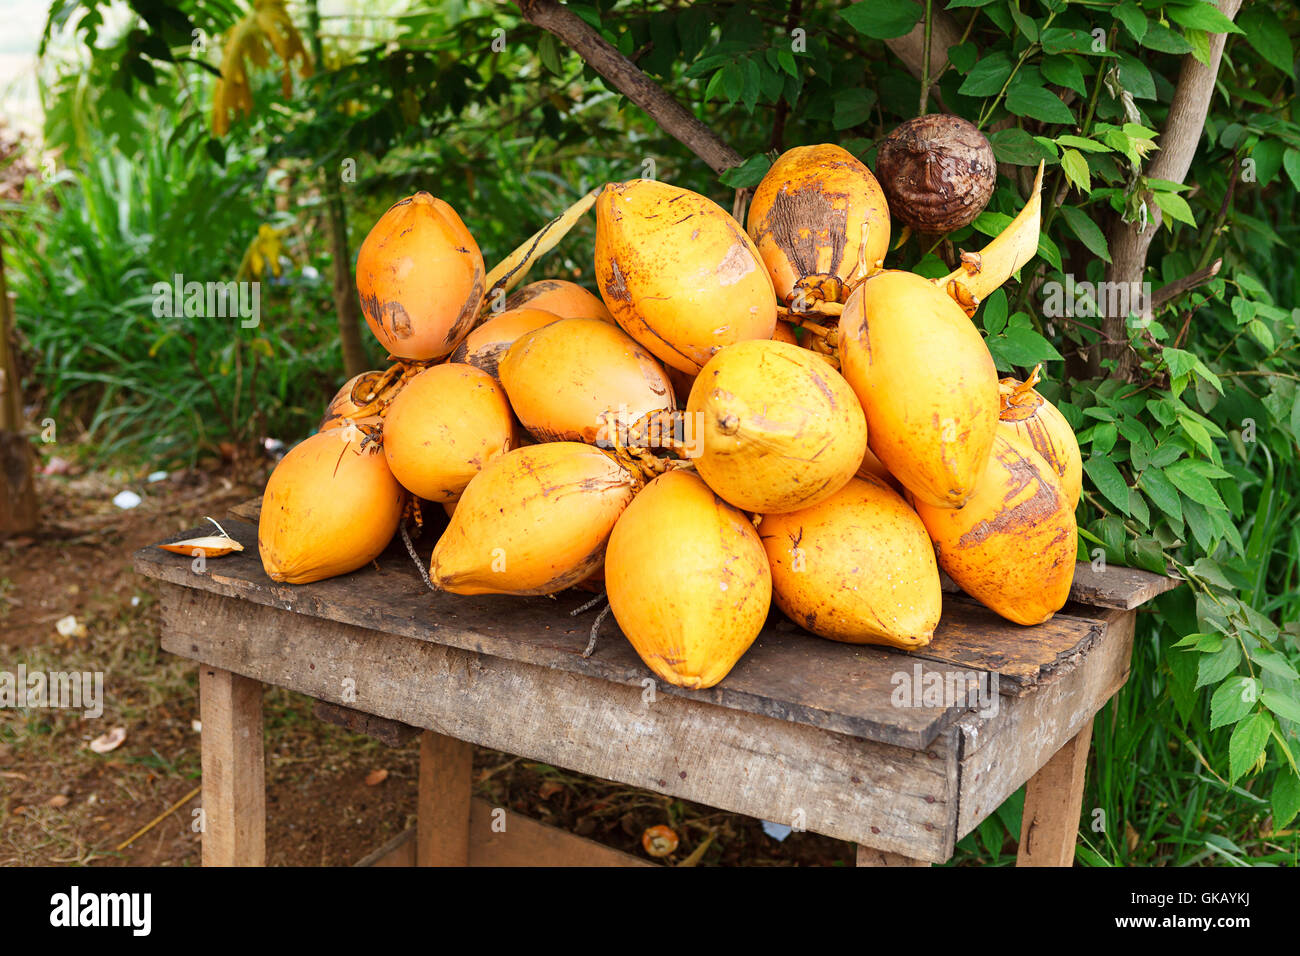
{"type": "Point", "coordinates": [787, 674]}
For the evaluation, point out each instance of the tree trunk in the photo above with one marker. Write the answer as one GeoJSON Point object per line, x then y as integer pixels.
{"type": "Point", "coordinates": [1178, 141]}
{"type": "Point", "coordinates": [18, 508]}
{"type": "Point", "coordinates": [346, 304]}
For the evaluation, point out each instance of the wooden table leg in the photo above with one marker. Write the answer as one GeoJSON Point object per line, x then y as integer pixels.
{"type": "Point", "coordinates": [442, 818]}
{"type": "Point", "coordinates": [234, 769]}
{"type": "Point", "coordinates": [869, 857]}
{"type": "Point", "coordinates": [1049, 827]}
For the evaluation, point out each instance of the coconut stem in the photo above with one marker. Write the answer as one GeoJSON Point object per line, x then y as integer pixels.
{"type": "Point", "coordinates": [595, 630]}
{"type": "Point", "coordinates": [410, 549]}
{"type": "Point", "coordinates": [583, 608]}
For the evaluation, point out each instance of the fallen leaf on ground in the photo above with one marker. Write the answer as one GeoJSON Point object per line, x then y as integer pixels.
{"type": "Point", "coordinates": [56, 801]}
{"type": "Point", "coordinates": [376, 777]}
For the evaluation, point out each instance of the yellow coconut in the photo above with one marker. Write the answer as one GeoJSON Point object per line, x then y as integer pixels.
{"type": "Point", "coordinates": [687, 580]}
{"type": "Point", "coordinates": [578, 379]}
{"type": "Point", "coordinates": [330, 506]}
{"type": "Point", "coordinates": [446, 424]}
{"type": "Point", "coordinates": [1013, 546]}
{"type": "Point", "coordinates": [533, 521]}
{"type": "Point", "coordinates": [820, 222]}
{"type": "Point", "coordinates": [926, 382]}
{"type": "Point", "coordinates": [486, 345]}
{"type": "Point", "coordinates": [1029, 418]}
{"type": "Point", "coordinates": [566, 299]}
{"type": "Point", "coordinates": [779, 429]}
{"type": "Point", "coordinates": [858, 567]}
{"type": "Point", "coordinates": [420, 278]}
{"type": "Point", "coordinates": [678, 273]}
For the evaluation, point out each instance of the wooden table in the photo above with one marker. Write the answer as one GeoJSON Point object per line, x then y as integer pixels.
{"type": "Point", "coordinates": [804, 731]}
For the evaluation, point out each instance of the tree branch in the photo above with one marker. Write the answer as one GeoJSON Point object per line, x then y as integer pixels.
{"type": "Point", "coordinates": [1178, 142]}
{"type": "Point", "coordinates": [671, 116]}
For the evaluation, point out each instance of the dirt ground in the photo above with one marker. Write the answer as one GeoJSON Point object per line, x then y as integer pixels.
{"type": "Point", "coordinates": [61, 802]}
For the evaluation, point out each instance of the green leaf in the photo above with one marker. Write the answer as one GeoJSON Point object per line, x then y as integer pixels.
{"type": "Point", "coordinates": [1104, 437]}
{"type": "Point", "coordinates": [1285, 798]}
{"type": "Point", "coordinates": [1063, 71]}
{"type": "Point", "coordinates": [1175, 206]}
{"type": "Point", "coordinates": [1076, 170]}
{"type": "Point", "coordinates": [1182, 670]}
{"type": "Point", "coordinates": [1202, 16]}
{"type": "Point", "coordinates": [1021, 347]}
{"type": "Point", "coordinates": [883, 19]}
{"type": "Point", "coordinates": [1281, 704]}
{"type": "Point", "coordinates": [1191, 481]}
{"type": "Point", "coordinates": [1164, 40]}
{"type": "Point", "coordinates": [1107, 479]}
{"type": "Point", "coordinates": [987, 76]}
{"type": "Point", "coordinates": [1134, 20]}
{"type": "Point", "coordinates": [1262, 333]}
{"type": "Point", "coordinates": [1083, 143]}
{"type": "Point", "coordinates": [1135, 76]}
{"type": "Point", "coordinates": [1265, 32]}
{"type": "Point", "coordinates": [1038, 103]}
{"type": "Point", "coordinates": [1247, 744]}
{"type": "Point", "coordinates": [1275, 663]}
{"type": "Point", "coordinates": [748, 173]}
{"type": "Point", "coordinates": [1233, 700]}
{"type": "Point", "coordinates": [1016, 146]}
{"type": "Point", "coordinates": [995, 312]}
{"type": "Point", "coordinates": [1161, 490]}
{"type": "Point", "coordinates": [1291, 162]}
{"type": "Point", "coordinates": [853, 107]}
{"type": "Point", "coordinates": [1212, 668]}
{"type": "Point", "coordinates": [1089, 233]}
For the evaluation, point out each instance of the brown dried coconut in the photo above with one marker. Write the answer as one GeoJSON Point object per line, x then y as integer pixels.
{"type": "Point", "coordinates": [937, 171]}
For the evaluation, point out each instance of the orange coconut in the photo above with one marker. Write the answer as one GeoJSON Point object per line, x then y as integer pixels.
{"type": "Point", "coordinates": [488, 343]}
{"type": "Point", "coordinates": [330, 506]}
{"type": "Point", "coordinates": [687, 580]}
{"type": "Point", "coordinates": [533, 521]}
{"type": "Point", "coordinates": [566, 299]}
{"type": "Point", "coordinates": [780, 430]}
{"type": "Point", "coordinates": [577, 379]}
{"type": "Point", "coordinates": [926, 382]}
{"type": "Point", "coordinates": [1029, 418]}
{"type": "Point", "coordinates": [349, 400]}
{"type": "Point", "coordinates": [420, 278]}
{"type": "Point", "coordinates": [1012, 546]}
{"type": "Point", "coordinates": [446, 424]}
{"type": "Point", "coordinates": [820, 222]}
{"type": "Point", "coordinates": [857, 567]}
{"type": "Point", "coordinates": [678, 273]}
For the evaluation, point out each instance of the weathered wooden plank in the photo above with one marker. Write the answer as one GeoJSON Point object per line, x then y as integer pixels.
{"type": "Point", "coordinates": [788, 674]}
{"type": "Point", "coordinates": [388, 732]}
{"type": "Point", "coordinates": [1049, 827]}
{"type": "Point", "coordinates": [887, 797]}
{"type": "Point", "coordinates": [524, 842]}
{"type": "Point", "coordinates": [1117, 587]}
{"type": "Point", "coordinates": [973, 637]}
{"type": "Point", "coordinates": [1002, 751]}
{"type": "Point", "coordinates": [234, 774]}
{"type": "Point", "coordinates": [442, 812]}
{"type": "Point", "coordinates": [869, 857]}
